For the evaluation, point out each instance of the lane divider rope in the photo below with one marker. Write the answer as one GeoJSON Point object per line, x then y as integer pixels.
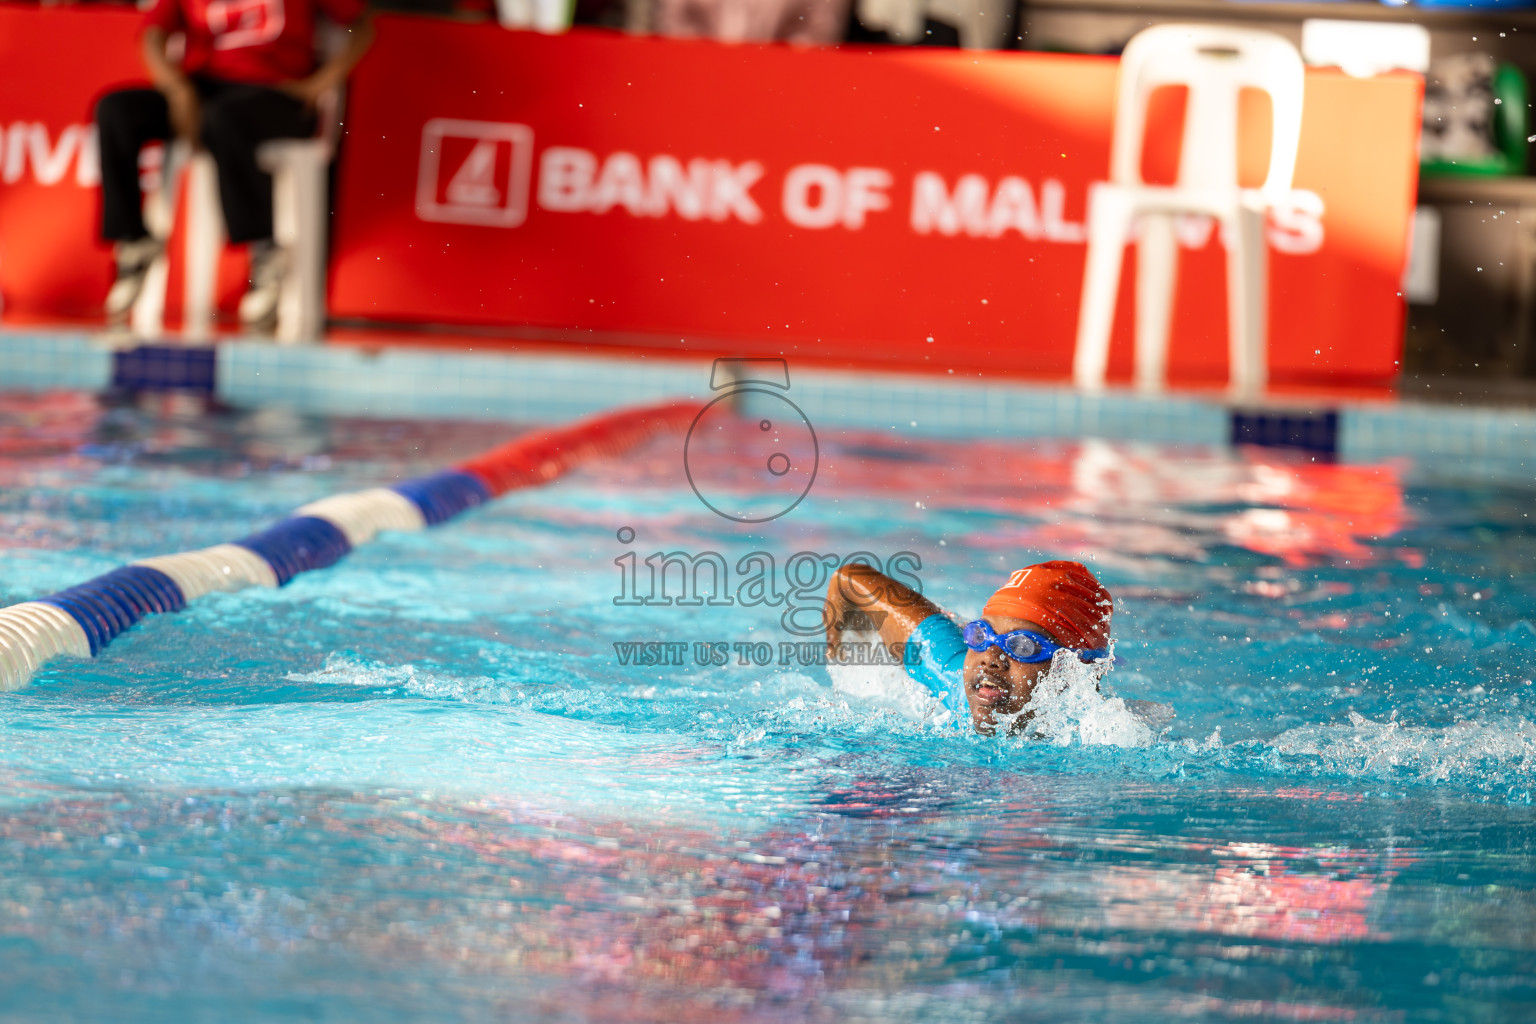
{"type": "Point", "coordinates": [83, 619]}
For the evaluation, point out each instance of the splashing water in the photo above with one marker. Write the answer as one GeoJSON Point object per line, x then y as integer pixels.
{"type": "Point", "coordinates": [1068, 702]}
{"type": "Point", "coordinates": [886, 686]}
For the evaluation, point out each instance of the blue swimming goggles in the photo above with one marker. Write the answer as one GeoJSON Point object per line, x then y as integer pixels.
{"type": "Point", "coordinates": [1021, 644]}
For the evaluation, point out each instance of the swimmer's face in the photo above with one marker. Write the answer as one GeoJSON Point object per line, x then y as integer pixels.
{"type": "Point", "coordinates": [995, 684]}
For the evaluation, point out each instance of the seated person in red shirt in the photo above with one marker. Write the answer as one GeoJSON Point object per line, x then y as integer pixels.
{"type": "Point", "coordinates": [249, 74]}
{"type": "Point", "coordinates": [986, 672]}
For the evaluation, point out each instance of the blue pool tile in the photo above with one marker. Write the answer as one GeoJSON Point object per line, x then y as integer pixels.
{"type": "Point", "coordinates": [37, 361]}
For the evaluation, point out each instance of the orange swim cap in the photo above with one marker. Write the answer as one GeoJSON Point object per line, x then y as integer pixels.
{"type": "Point", "coordinates": [1063, 597]}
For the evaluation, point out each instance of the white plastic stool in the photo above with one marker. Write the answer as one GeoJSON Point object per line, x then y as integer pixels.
{"type": "Point", "coordinates": [203, 239]}
{"type": "Point", "coordinates": [298, 168]}
{"type": "Point", "coordinates": [550, 16]}
{"type": "Point", "coordinates": [299, 225]}
{"type": "Point", "coordinates": [1215, 63]}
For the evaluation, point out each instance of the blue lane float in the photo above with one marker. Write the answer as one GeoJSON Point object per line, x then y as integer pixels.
{"type": "Point", "coordinates": [83, 619]}
{"type": "Point", "coordinates": [444, 495]}
{"type": "Point", "coordinates": [111, 603]}
{"type": "Point", "coordinates": [299, 544]}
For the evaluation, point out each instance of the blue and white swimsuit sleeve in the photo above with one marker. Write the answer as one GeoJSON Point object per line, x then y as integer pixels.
{"type": "Point", "coordinates": [935, 657]}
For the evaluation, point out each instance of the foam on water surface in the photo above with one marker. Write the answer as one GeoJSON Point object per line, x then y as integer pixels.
{"type": "Point", "coordinates": [1489, 752]}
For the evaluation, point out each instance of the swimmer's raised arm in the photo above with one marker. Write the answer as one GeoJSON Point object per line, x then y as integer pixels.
{"type": "Point", "coordinates": [894, 606]}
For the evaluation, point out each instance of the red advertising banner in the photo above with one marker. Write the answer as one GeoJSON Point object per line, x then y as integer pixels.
{"type": "Point", "coordinates": [57, 62]}
{"type": "Point", "coordinates": [917, 208]}
{"type": "Point", "coordinates": [912, 207]}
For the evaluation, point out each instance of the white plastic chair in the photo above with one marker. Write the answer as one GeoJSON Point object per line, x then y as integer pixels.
{"type": "Point", "coordinates": [1215, 63]}
{"type": "Point", "coordinates": [299, 223]}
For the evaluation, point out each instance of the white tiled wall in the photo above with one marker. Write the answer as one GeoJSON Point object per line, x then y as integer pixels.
{"type": "Point", "coordinates": [1375, 431]}
{"type": "Point", "coordinates": [42, 362]}
{"type": "Point", "coordinates": [404, 382]}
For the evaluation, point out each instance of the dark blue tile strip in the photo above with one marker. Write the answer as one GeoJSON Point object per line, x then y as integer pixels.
{"type": "Point", "coordinates": [1311, 432]}
{"type": "Point", "coordinates": [165, 368]}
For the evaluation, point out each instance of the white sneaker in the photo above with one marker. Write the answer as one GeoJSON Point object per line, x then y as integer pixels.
{"type": "Point", "coordinates": [133, 263]}
{"type": "Point", "coordinates": [269, 265]}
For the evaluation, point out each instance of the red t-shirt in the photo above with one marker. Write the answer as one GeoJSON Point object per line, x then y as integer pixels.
{"type": "Point", "coordinates": [258, 41]}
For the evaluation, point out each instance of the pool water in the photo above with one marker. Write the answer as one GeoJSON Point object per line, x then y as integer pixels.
{"type": "Point", "coordinates": [425, 785]}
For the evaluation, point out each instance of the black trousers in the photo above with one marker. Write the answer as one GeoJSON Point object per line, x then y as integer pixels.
{"type": "Point", "coordinates": [236, 118]}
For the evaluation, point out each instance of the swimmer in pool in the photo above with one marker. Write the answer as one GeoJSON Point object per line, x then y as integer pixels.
{"type": "Point", "coordinates": [988, 668]}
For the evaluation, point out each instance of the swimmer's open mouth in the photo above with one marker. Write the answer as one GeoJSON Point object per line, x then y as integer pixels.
{"type": "Point", "coordinates": [990, 690]}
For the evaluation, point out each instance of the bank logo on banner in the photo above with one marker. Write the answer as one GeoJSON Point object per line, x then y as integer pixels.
{"type": "Point", "coordinates": [474, 172]}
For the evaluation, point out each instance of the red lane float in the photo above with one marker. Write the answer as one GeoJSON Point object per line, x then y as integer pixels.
{"type": "Point", "coordinates": [543, 456]}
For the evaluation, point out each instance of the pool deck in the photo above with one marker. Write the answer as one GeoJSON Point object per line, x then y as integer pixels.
{"type": "Point", "coordinates": [421, 377]}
